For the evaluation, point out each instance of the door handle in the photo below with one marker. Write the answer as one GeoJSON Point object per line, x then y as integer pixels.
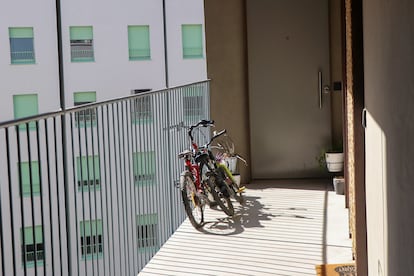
{"type": "Point", "coordinates": [320, 88]}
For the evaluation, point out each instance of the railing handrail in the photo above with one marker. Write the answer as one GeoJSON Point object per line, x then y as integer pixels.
{"type": "Point", "coordinates": [45, 115]}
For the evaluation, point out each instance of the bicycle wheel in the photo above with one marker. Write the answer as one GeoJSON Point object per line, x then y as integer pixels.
{"type": "Point", "coordinates": [221, 195]}
{"type": "Point", "coordinates": [193, 205]}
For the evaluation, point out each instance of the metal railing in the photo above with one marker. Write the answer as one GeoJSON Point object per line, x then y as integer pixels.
{"type": "Point", "coordinates": [95, 195]}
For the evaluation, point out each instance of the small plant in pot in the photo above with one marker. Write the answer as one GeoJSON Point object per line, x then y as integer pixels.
{"type": "Point", "coordinates": [332, 159]}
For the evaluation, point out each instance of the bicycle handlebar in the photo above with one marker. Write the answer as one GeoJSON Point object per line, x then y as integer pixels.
{"type": "Point", "coordinates": [204, 123]}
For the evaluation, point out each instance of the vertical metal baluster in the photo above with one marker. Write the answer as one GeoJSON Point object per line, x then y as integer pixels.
{"type": "Point", "coordinates": [13, 237]}
{"type": "Point", "coordinates": [50, 196]}
{"type": "Point", "coordinates": [88, 179]}
{"type": "Point", "coordinates": [110, 180]}
{"type": "Point", "coordinates": [57, 193]}
{"type": "Point", "coordinates": [75, 189]}
{"type": "Point", "coordinates": [31, 193]}
{"type": "Point", "coordinates": [125, 200]}
{"type": "Point", "coordinates": [116, 179]}
{"type": "Point", "coordinates": [130, 183]}
{"type": "Point", "coordinates": [100, 182]}
{"type": "Point", "coordinates": [39, 160]}
{"type": "Point", "coordinates": [80, 177]}
{"type": "Point", "coordinates": [134, 184]}
{"type": "Point", "coordinates": [95, 248]}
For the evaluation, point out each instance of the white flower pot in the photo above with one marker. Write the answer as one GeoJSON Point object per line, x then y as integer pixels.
{"type": "Point", "coordinates": [231, 163]}
{"type": "Point", "coordinates": [334, 161]}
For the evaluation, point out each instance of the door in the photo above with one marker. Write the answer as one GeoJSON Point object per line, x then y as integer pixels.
{"type": "Point", "coordinates": [288, 60]}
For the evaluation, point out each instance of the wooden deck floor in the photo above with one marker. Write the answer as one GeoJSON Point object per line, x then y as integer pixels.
{"type": "Point", "coordinates": [285, 228]}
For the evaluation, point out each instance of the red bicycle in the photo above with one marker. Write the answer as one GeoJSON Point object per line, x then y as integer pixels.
{"type": "Point", "coordinates": [199, 179]}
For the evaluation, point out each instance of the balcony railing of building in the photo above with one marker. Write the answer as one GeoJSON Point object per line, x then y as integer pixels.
{"type": "Point", "coordinates": [92, 190]}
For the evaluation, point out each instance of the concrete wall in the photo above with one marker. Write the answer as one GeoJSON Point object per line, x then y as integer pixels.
{"type": "Point", "coordinates": [227, 68]}
{"type": "Point", "coordinates": [389, 98]}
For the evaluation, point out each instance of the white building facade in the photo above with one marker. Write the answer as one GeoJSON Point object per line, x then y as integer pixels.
{"type": "Point", "coordinates": [108, 50]}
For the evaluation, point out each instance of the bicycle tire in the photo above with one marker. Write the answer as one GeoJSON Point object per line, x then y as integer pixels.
{"type": "Point", "coordinates": [193, 205]}
{"type": "Point", "coordinates": [221, 195]}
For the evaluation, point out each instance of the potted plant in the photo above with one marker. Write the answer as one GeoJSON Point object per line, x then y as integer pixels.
{"type": "Point", "coordinates": [332, 159]}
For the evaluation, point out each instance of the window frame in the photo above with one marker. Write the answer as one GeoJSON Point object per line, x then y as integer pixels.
{"type": "Point", "coordinates": [81, 37]}
{"type": "Point", "coordinates": [88, 168]}
{"type": "Point", "coordinates": [28, 240]}
{"type": "Point", "coordinates": [91, 238]}
{"type": "Point", "coordinates": [86, 117]}
{"type": "Point", "coordinates": [192, 41]}
{"type": "Point", "coordinates": [25, 111]}
{"type": "Point", "coordinates": [147, 232]}
{"type": "Point", "coordinates": [142, 110]}
{"type": "Point", "coordinates": [29, 178]}
{"type": "Point", "coordinates": [144, 168]}
{"type": "Point", "coordinates": [15, 34]}
{"type": "Point", "coordinates": [139, 48]}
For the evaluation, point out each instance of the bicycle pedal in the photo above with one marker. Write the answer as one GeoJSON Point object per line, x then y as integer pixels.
{"type": "Point", "coordinates": [241, 189]}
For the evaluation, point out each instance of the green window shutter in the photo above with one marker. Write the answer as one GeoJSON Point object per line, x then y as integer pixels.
{"type": "Point", "coordinates": [28, 235]}
{"type": "Point", "coordinates": [25, 106]}
{"type": "Point", "coordinates": [88, 171]}
{"type": "Point", "coordinates": [91, 238]}
{"type": "Point", "coordinates": [139, 42]}
{"type": "Point", "coordinates": [144, 167]}
{"type": "Point", "coordinates": [84, 97]}
{"type": "Point", "coordinates": [91, 228]}
{"type": "Point", "coordinates": [85, 117]}
{"type": "Point", "coordinates": [21, 45]}
{"type": "Point", "coordinates": [147, 219]}
{"type": "Point", "coordinates": [25, 178]}
{"type": "Point", "coordinates": [193, 104]}
{"type": "Point", "coordinates": [81, 44]}
{"type": "Point", "coordinates": [21, 32]}
{"type": "Point", "coordinates": [81, 33]}
{"type": "Point", "coordinates": [192, 40]}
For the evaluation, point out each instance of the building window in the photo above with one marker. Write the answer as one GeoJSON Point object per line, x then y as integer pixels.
{"type": "Point", "coordinates": [24, 106]}
{"type": "Point", "coordinates": [144, 168]}
{"type": "Point", "coordinates": [32, 246]}
{"type": "Point", "coordinates": [85, 117]}
{"type": "Point", "coordinates": [21, 45]}
{"type": "Point", "coordinates": [81, 44]}
{"type": "Point", "coordinates": [88, 172]}
{"type": "Point", "coordinates": [147, 232]}
{"type": "Point", "coordinates": [193, 103]}
{"type": "Point", "coordinates": [91, 239]}
{"type": "Point", "coordinates": [141, 108]}
{"type": "Point", "coordinates": [139, 43]}
{"type": "Point", "coordinates": [29, 178]}
{"type": "Point", "coordinates": [192, 39]}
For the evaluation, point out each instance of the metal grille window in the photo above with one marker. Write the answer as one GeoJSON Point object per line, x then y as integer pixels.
{"type": "Point", "coordinates": [139, 43]}
{"type": "Point", "coordinates": [21, 45]}
{"type": "Point", "coordinates": [32, 246]}
{"type": "Point", "coordinates": [147, 231]}
{"type": "Point", "coordinates": [192, 40]}
{"type": "Point", "coordinates": [25, 105]}
{"type": "Point", "coordinates": [193, 102]}
{"type": "Point", "coordinates": [85, 117]}
{"type": "Point", "coordinates": [91, 240]}
{"type": "Point", "coordinates": [88, 172]}
{"type": "Point", "coordinates": [29, 178]}
{"type": "Point", "coordinates": [141, 107]}
{"type": "Point", "coordinates": [81, 44]}
{"type": "Point", "coordinates": [144, 167]}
